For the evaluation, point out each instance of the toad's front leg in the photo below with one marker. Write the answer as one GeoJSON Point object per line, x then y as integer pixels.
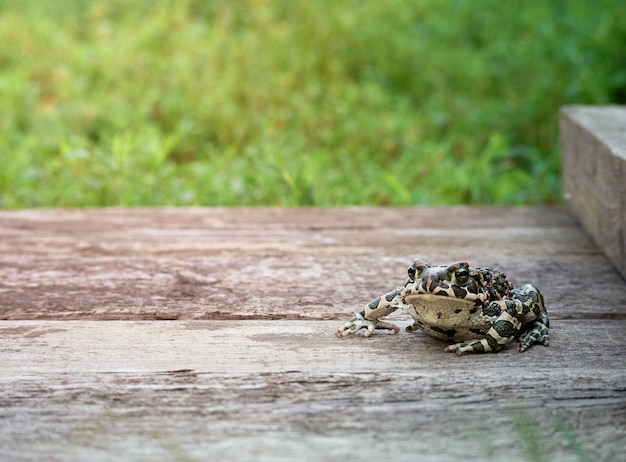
{"type": "Point", "coordinates": [369, 318]}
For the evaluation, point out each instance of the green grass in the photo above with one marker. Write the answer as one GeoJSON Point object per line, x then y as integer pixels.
{"type": "Point", "coordinates": [530, 437]}
{"type": "Point", "coordinates": [287, 102]}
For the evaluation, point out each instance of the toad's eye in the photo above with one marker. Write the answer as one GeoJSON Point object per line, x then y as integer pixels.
{"type": "Point", "coordinates": [461, 275]}
{"type": "Point", "coordinates": [415, 272]}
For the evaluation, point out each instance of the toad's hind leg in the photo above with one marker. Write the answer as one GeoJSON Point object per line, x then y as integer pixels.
{"type": "Point", "coordinates": [525, 307]}
{"type": "Point", "coordinates": [538, 333]}
{"type": "Point", "coordinates": [503, 330]}
{"type": "Point", "coordinates": [535, 312]}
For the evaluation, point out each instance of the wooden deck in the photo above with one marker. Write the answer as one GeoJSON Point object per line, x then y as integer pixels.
{"type": "Point", "coordinates": [207, 334]}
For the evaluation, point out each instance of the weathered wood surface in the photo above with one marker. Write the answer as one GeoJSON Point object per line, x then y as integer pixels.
{"type": "Point", "coordinates": [248, 367]}
{"type": "Point", "coordinates": [593, 146]}
{"type": "Point", "coordinates": [234, 390]}
{"type": "Point", "coordinates": [279, 263]}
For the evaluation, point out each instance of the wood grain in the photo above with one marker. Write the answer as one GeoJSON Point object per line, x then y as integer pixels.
{"type": "Point", "coordinates": [207, 334]}
{"type": "Point", "coordinates": [276, 346]}
{"type": "Point", "coordinates": [146, 264]}
{"type": "Point", "coordinates": [593, 145]}
{"type": "Point", "coordinates": [289, 389]}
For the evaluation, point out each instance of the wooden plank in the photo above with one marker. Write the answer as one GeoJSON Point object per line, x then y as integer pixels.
{"type": "Point", "coordinates": [278, 346]}
{"type": "Point", "coordinates": [227, 380]}
{"type": "Point", "coordinates": [593, 143]}
{"type": "Point", "coordinates": [309, 417]}
{"type": "Point", "coordinates": [285, 390]}
{"type": "Point", "coordinates": [219, 263]}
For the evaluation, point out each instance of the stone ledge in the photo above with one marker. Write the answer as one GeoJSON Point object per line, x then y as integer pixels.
{"type": "Point", "coordinates": [593, 146]}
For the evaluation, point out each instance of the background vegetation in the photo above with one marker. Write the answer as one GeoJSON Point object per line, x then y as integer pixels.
{"type": "Point", "coordinates": [288, 102]}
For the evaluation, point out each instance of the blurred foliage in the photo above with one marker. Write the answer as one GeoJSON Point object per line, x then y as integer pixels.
{"type": "Point", "coordinates": [287, 102]}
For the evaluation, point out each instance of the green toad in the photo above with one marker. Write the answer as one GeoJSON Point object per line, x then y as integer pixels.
{"type": "Point", "coordinates": [476, 309]}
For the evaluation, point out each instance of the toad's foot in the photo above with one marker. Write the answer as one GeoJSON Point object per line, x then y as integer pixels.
{"type": "Point", "coordinates": [358, 322]}
{"type": "Point", "coordinates": [538, 334]}
{"type": "Point", "coordinates": [471, 346]}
